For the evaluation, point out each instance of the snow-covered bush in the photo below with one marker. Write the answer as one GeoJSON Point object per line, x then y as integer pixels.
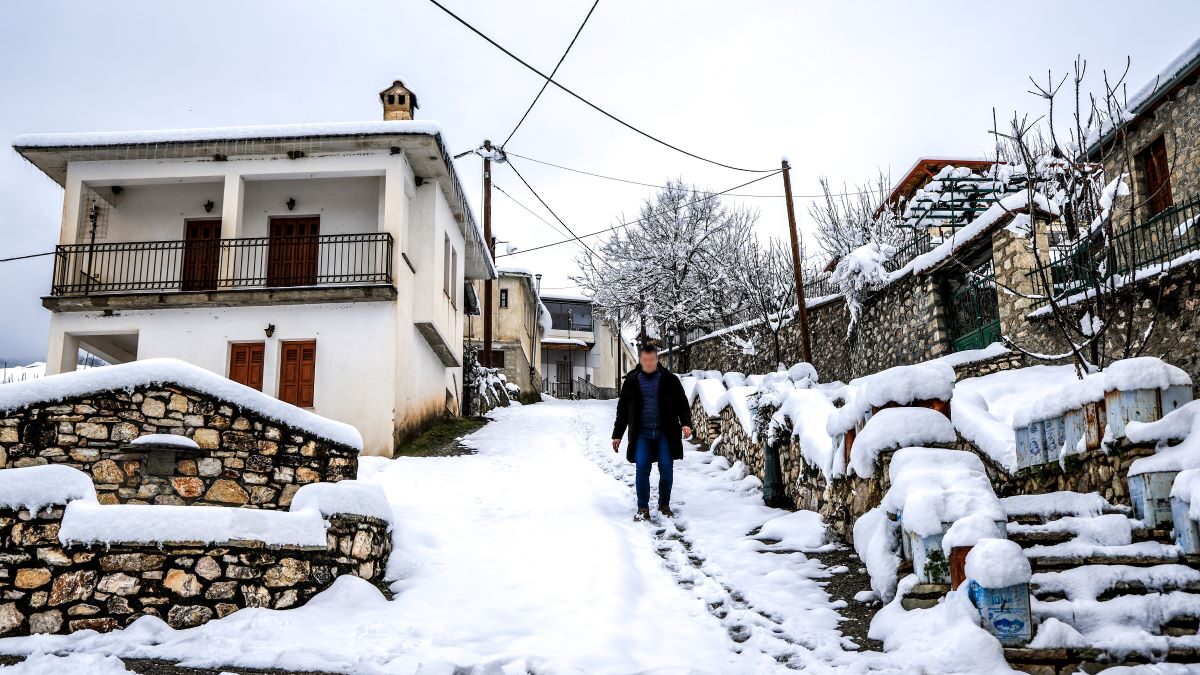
{"type": "Point", "coordinates": [861, 272]}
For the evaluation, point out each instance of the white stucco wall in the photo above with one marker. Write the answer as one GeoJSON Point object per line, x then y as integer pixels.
{"type": "Point", "coordinates": [355, 345]}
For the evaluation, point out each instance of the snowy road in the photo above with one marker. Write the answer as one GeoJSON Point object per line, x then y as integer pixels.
{"type": "Point", "coordinates": [523, 558]}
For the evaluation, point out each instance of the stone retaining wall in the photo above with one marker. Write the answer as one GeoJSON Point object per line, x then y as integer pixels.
{"type": "Point", "coordinates": [245, 459]}
{"type": "Point", "coordinates": [46, 587]}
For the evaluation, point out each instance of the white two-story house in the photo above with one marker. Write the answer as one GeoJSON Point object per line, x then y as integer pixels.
{"type": "Point", "coordinates": [583, 355]}
{"type": "Point", "coordinates": [323, 264]}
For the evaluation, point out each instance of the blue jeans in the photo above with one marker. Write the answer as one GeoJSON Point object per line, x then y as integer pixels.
{"type": "Point", "coordinates": [648, 450]}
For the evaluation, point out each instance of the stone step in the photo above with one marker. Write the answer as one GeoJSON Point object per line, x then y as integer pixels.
{"type": "Point", "coordinates": [1027, 539]}
{"type": "Point", "coordinates": [1109, 581]}
{"type": "Point", "coordinates": [1076, 660]}
{"type": "Point", "coordinates": [1163, 535]}
{"type": "Point", "coordinates": [924, 596]}
{"type": "Point", "coordinates": [1174, 614]}
{"type": "Point", "coordinates": [1059, 563]}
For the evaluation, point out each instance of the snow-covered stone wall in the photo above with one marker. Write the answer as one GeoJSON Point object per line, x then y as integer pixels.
{"type": "Point", "coordinates": [47, 586]}
{"type": "Point", "coordinates": [244, 457]}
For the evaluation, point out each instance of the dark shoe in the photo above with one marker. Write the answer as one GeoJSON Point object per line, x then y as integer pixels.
{"type": "Point", "coordinates": [666, 510]}
{"type": "Point", "coordinates": [642, 514]}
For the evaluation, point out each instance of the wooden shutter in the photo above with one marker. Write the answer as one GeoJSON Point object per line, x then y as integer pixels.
{"type": "Point", "coordinates": [246, 364]}
{"type": "Point", "coordinates": [454, 277]}
{"type": "Point", "coordinates": [1158, 176]}
{"type": "Point", "coordinates": [446, 266]}
{"type": "Point", "coordinates": [297, 372]}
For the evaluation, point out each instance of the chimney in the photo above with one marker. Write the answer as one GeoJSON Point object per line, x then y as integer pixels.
{"type": "Point", "coordinates": [398, 102]}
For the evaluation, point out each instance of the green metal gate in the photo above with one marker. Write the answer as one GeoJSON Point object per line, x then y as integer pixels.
{"type": "Point", "coordinates": [974, 311]}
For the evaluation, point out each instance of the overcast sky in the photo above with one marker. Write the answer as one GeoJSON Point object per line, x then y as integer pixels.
{"type": "Point", "coordinates": [840, 88]}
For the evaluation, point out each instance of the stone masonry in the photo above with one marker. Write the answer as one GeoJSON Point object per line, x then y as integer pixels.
{"type": "Point", "coordinates": [46, 587]}
{"type": "Point", "coordinates": [246, 459]}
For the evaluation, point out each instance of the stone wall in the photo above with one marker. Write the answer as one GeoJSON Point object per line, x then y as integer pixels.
{"type": "Point", "coordinates": [46, 587]}
{"type": "Point", "coordinates": [902, 324]}
{"type": "Point", "coordinates": [245, 458]}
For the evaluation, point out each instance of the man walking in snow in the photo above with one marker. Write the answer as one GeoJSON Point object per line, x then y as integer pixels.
{"type": "Point", "coordinates": [654, 408]}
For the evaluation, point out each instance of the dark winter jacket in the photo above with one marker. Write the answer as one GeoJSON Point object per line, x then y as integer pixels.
{"type": "Point", "coordinates": [673, 411]}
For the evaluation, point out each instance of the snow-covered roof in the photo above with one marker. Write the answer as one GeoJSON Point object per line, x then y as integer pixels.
{"type": "Point", "coordinates": [1155, 90]}
{"type": "Point", "coordinates": [564, 341]}
{"type": "Point", "coordinates": [126, 376]}
{"type": "Point", "coordinates": [235, 133]}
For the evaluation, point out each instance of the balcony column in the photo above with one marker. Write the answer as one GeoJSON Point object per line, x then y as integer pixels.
{"type": "Point", "coordinates": [231, 226]}
{"type": "Point", "coordinates": [395, 211]}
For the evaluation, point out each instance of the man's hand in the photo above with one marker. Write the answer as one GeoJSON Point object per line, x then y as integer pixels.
{"type": "Point", "coordinates": [687, 432]}
{"type": "Point", "coordinates": [616, 444]}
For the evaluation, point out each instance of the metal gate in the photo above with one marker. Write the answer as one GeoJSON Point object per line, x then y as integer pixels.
{"type": "Point", "coordinates": [974, 311]}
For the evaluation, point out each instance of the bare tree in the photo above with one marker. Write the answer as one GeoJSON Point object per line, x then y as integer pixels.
{"type": "Point", "coordinates": [670, 267]}
{"type": "Point", "coordinates": [854, 217]}
{"type": "Point", "coordinates": [1086, 259]}
{"type": "Point", "coordinates": [762, 272]}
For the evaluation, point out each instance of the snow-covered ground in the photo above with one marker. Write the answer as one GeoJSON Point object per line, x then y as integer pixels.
{"type": "Point", "coordinates": [523, 558]}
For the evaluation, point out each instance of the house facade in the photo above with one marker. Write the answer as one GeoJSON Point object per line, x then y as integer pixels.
{"type": "Point", "coordinates": [322, 264]}
{"type": "Point", "coordinates": [583, 355]}
{"type": "Point", "coordinates": [518, 324]}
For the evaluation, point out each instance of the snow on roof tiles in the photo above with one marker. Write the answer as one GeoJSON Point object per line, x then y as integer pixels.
{"type": "Point", "coordinates": [172, 371]}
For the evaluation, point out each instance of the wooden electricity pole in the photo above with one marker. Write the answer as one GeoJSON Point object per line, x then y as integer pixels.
{"type": "Point", "coordinates": [797, 267]}
{"type": "Point", "coordinates": [488, 241]}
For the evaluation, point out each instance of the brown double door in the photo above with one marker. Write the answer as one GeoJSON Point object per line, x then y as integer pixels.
{"type": "Point", "coordinates": [201, 255]}
{"type": "Point", "coordinates": [292, 251]}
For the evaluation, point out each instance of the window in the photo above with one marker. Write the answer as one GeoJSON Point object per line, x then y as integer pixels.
{"type": "Point", "coordinates": [454, 277]}
{"type": "Point", "coordinates": [577, 314]}
{"type": "Point", "coordinates": [400, 99]}
{"type": "Point", "coordinates": [297, 372]}
{"type": "Point", "coordinates": [246, 364]}
{"type": "Point", "coordinates": [497, 358]}
{"type": "Point", "coordinates": [446, 265]}
{"type": "Point", "coordinates": [391, 99]}
{"type": "Point", "coordinates": [503, 298]}
{"type": "Point", "coordinates": [1157, 175]}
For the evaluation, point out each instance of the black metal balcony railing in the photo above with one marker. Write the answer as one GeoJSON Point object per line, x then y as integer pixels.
{"type": "Point", "coordinates": [222, 264]}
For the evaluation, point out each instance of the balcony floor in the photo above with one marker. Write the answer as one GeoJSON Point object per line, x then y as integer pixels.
{"type": "Point", "coordinates": [240, 297]}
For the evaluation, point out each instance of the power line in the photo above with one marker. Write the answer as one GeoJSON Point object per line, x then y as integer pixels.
{"type": "Point", "coordinates": [637, 220]}
{"type": "Point", "coordinates": [25, 257]}
{"type": "Point", "coordinates": [655, 185]}
{"type": "Point", "coordinates": [547, 206]}
{"type": "Point", "coordinates": [531, 211]}
{"type": "Point", "coordinates": [588, 103]}
{"type": "Point", "coordinates": [552, 74]}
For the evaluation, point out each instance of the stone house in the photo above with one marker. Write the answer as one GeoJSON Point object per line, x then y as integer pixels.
{"type": "Point", "coordinates": [322, 264]}
{"type": "Point", "coordinates": [518, 324]}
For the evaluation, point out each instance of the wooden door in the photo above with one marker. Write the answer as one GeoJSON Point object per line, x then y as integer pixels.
{"type": "Point", "coordinates": [297, 372]}
{"type": "Point", "coordinates": [246, 364]}
{"type": "Point", "coordinates": [201, 255]}
{"type": "Point", "coordinates": [292, 251]}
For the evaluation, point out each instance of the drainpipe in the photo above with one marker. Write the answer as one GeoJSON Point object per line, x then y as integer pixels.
{"type": "Point", "coordinates": [93, 216]}
{"type": "Point", "coordinates": [773, 472]}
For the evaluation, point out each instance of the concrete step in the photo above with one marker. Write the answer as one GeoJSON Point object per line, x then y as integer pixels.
{"type": "Point", "coordinates": [1104, 582]}
{"type": "Point", "coordinates": [1079, 660]}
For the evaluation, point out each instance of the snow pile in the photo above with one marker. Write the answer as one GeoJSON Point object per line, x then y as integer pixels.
{"type": "Point", "coordinates": [985, 407]}
{"type": "Point", "coordinates": [946, 638]}
{"type": "Point", "coordinates": [689, 387]}
{"type": "Point", "coordinates": [1143, 372]}
{"type": "Point", "coordinates": [172, 440]}
{"type": "Point", "coordinates": [877, 543]}
{"type": "Point", "coordinates": [712, 396]}
{"type": "Point", "coordinates": [126, 376]}
{"type": "Point", "coordinates": [932, 487]}
{"type": "Point", "coordinates": [733, 379]}
{"type": "Point", "coordinates": [87, 522]}
{"type": "Point", "coordinates": [1186, 489]}
{"type": "Point", "coordinates": [998, 563]}
{"type": "Point", "coordinates": [802, 371]}
{"type": "Point", "coordinates": [36, 487]}
{"type": "Point", "coordinates": [901, 385]}
{"type": "Point", "coordinates": [41, 663]}
{"type": "Point", "coordinates": [894, 428]}
{"type": "Point", "coordinates": [970, 531]}
{"type": "Point", "coordinates": [1056, 504]}
{"type": "Point", "coordinates": [1180, 427]}
{"type": "Point", "coordinates": [1113, 529]}
{"type": "Point", "coordinates": [860, 272]}
{"type": "Point", "coordinates": [347, 496]}
{"type": "Point", "coordinates": [805, 413]}
{"type": "Point", "coordinates": [738, 398]}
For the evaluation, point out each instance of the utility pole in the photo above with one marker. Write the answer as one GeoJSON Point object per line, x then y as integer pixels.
{"type": "Point", "coordinates": [490, 242]}
{"type": "Point", "coordinates": [797, 267]}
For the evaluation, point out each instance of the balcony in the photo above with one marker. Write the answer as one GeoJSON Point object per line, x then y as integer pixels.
{"type": "Point", "coordinates": [216, 272]}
